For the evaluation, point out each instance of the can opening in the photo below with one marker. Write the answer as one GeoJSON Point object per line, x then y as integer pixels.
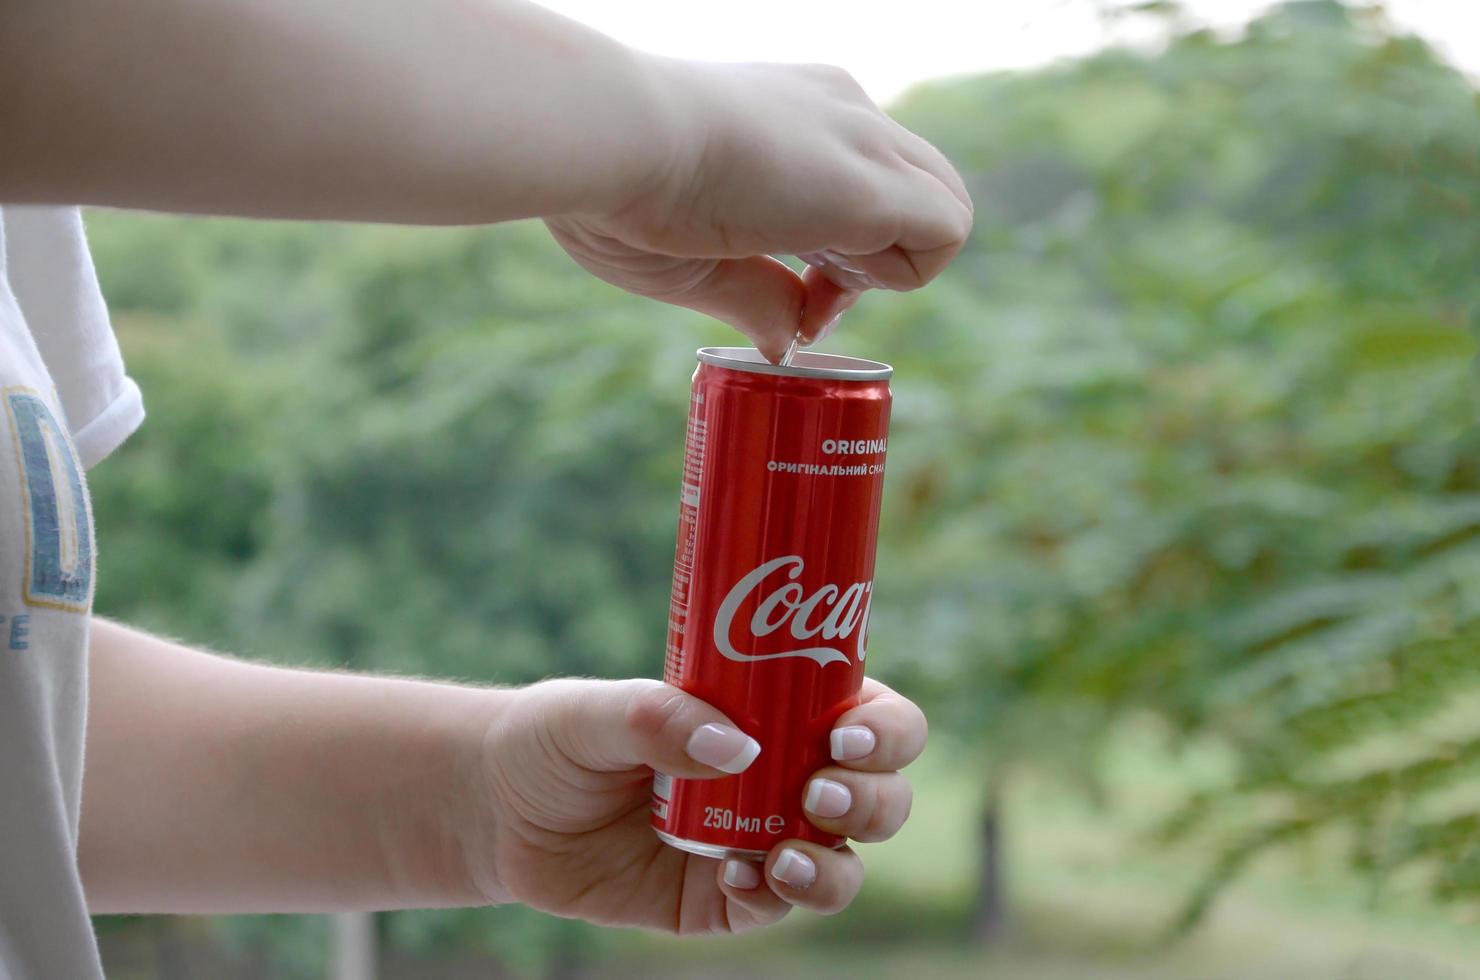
{"type": "Point", "coordinates": [806, 364]}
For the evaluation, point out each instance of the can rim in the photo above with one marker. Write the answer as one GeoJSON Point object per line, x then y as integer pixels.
{"type": "Point", "coordinates": [806, 364]}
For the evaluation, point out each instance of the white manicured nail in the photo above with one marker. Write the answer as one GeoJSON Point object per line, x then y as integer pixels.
{"type": "Point", "coordinates": [726, 749]}
{"type": "Point", "coordinates": [742, 875]}
{"type": "Point", "coordinates": [827, 798]}
{"type": "Point", "coordinates": [794, 868]}
{"type": "Point", "coordinates": [852, 742]}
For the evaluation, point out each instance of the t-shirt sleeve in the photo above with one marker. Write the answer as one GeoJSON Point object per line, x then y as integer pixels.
{"type": "Point", "coordinates": [52, 275]}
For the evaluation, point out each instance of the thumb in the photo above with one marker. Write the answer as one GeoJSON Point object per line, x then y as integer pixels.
{"type": "Point", "coordinates": [759, 296]}
{"type": "Point", "coordinates": [617, 725]}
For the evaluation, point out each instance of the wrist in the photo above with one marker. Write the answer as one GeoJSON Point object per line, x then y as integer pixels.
{"type": "Point", "coordinates": [646, 139]}
{"type": "Point", "coordinates": [472, 816]}
{"type": "Point", "coordinates": [434, 850]}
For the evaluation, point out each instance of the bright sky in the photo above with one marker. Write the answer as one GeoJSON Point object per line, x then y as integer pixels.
{"type": "Point", "coordinates": [890, 46]}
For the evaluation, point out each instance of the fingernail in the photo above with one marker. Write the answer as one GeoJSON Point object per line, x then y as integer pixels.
{"type": "Point", "coordinates": [855, 282]}
{"type": "Point", "coordinates": [827, 798]}
{"type": "Point", "coordinates": [794, 868]}
{"type": "Point", "coordinates": [827, 328]}
{"type": "Point", "coordinates": [842, 263]}
{"type": "Point", "coordinates": [725, 748]}
{"type": "Point", "coordinates": [853, 742]}
{"type": "Point", "coordinates": [741, 874]}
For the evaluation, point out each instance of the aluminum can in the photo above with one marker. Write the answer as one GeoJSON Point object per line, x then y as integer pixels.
{"type": "Point", "coordinates": [778, 521]}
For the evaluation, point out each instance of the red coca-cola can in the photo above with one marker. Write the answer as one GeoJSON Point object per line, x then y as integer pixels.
{"type": "Point", "coordinates": [772, 581]}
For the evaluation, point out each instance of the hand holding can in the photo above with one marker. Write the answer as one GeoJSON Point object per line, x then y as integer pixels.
{"type": "Point", "coordinates": [772, 586]}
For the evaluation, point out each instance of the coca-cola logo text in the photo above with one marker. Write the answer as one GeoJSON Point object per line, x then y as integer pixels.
{"type": "Point", "coordinates": [831, 614]}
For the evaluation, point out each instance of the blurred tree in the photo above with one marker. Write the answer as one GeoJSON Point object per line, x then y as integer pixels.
{"type": "Point", "coordinates": [462, 493]}
{"type": "Point", "coordinates": [1199, 432]}
{"type": "Point", "coordinates": [1188, 430]}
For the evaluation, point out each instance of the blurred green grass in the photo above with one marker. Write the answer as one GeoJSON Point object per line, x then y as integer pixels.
{"type": "Point", "coordinates": [1092, 898]}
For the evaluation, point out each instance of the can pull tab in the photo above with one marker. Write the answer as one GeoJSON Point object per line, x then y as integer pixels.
{"type": "Point", "coordinates": [791, 348]}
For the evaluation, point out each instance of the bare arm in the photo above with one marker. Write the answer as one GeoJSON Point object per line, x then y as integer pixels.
{"type": "Point", "coordinates": [417, 111]}
{"type": "Point", "coordinates": [672, 179]}
{"type": "Point", "coordinates": [216, 785]}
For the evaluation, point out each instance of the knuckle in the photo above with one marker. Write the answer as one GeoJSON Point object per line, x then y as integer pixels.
{"type": "Point", "coordinates": [886, 208]}
{"type": "Point", "coordinates": [841, 80]}
{"type": "Point", "coordinates": [963, 227]}
{"type": "Point", "coordinates": [854, 185]}
{"type": "Point", "coordinates": [901, 803]}
{"type": "Point", "coordinates": [841, 896]}
{"type": "Point", "coordinates": [879, 823]}
{"type": "Point", "coordinates": [898, 734]}
{"type": "Point", "coordinates": [955, 229]}
{"type": "Point", "coordinates": [905, 732]}
{"type": "Point", "coordinates": [919, 723]}
{"type": "Point", "coordinates": [828, 72]}
{"type": "Point", "coordinates": [967, 218]}
{"type": "Point", "coordinates": [877, 231]}
{"type": "Point", "coordinates": [877, 827]}
{"type": "Point", "coordinates": [941, 236]}
{"type": "Point", "coordinates": [867, 218]}
{"type": "Point", "coordinates": [654, 709]}
{"type": "Point", "coordinates": [834, 898]}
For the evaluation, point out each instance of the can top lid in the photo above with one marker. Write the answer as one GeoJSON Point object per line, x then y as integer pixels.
{"type": "Point", "coordinates": [806, 364]}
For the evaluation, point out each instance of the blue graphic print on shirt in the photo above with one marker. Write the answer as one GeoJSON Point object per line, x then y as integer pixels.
{"type": "Point", "coordinates": [15, 632]}
{"type": "Point", "coordinates": [58, 520]}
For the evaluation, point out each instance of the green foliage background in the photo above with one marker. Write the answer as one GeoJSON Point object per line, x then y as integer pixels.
{"type": "Point", "coordinates": [1188, 431]}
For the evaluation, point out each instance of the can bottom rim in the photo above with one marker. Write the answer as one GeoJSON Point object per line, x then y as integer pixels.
{"type": "Point", "coordinates": [717, 851]}
{"type": "Point", "coordinates": [708, 850]}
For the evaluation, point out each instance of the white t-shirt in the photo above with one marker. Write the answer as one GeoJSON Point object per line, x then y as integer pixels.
{"type": "Point", "coordinates": [65, 403]}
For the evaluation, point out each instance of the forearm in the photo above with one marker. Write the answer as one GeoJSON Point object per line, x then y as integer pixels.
{"type": "Point", "coordinates": [215, 785]}
{"type": "Point", "coordinates": [418, 111]}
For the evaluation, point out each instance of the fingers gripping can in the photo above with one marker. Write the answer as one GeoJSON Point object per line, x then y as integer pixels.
{"type": "Point", "coordinates": [772, 580]}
